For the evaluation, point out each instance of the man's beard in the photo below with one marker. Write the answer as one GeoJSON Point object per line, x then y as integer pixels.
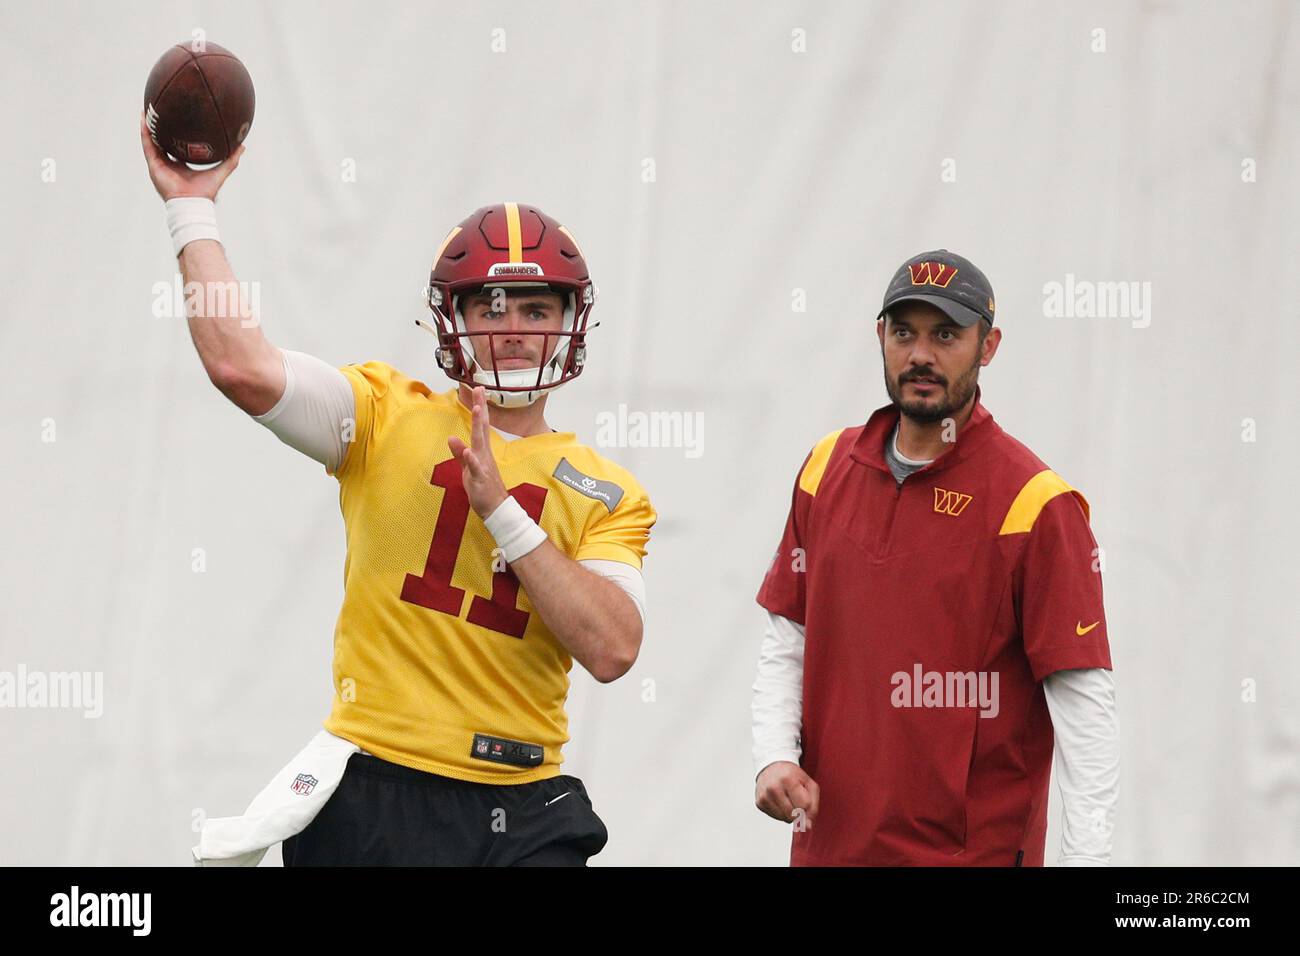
{"type": "Point", "coordinates": [928, 411]}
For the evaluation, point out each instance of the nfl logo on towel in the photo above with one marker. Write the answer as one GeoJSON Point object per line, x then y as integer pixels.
{"type": "Point", "coordinates": [304, 783]}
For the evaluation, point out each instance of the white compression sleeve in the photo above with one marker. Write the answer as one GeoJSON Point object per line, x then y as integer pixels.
{"type": "Point", "coordinates": [311, 414]}
{"type": "Point", "coordinates": [625, 576]}
{"type": "Point", "coordinates": [777, 707]}
{"type": "Point", "coordinates": [1086, 725]}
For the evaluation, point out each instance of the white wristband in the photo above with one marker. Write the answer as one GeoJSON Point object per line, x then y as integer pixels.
{"type": "Point", "coordinates": [516, 534]}
{"type": "Point", "coordinates": [190, 218]}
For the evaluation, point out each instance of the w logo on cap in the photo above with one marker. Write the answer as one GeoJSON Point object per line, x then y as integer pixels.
{"type": "Point", "coordinates": [932, 273]}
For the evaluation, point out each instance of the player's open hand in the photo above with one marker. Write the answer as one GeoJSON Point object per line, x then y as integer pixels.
{"type": "Point", "coordinates": [173, 179]}
{"type": "Point", "coordinates": [479, 471]}
{"type": "Point", "coordinates": [783, 791]}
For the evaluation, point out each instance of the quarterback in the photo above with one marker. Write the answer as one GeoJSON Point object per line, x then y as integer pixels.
{"type": "Point", "coordinates": [935, 621]}
{"type": "Point", "coordinates": [485, 552]}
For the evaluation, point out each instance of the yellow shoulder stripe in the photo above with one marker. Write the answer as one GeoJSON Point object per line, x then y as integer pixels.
{"type": "Point", "coordinates": [1033, 497]}
{"type": "Point", "coordinates": [811, 476]}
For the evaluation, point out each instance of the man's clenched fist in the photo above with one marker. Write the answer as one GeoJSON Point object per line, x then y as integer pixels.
{"type": "Point", "coordinates": [785, 792]}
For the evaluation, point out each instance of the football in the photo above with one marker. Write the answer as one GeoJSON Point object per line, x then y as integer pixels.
{"type": "Point", "coordinates": [198, 102]}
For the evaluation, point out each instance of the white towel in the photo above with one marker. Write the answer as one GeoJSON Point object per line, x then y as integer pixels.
{"type": "Point", "coordinates": [284, 807]}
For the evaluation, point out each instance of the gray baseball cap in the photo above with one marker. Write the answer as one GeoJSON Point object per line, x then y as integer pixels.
{"type": "Point", "coordinates": [945, 280]}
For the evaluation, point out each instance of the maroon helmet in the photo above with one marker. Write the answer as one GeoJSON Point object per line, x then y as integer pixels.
{"type": "Point", "coordinates": [509, 245]}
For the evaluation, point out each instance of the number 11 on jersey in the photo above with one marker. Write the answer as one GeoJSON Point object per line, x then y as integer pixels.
{"type": "Point", "coordinates": [434, 589]}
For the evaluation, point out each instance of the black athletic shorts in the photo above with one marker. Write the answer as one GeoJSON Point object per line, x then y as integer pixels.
{"type": "Point", "coordinates": [384, 814]}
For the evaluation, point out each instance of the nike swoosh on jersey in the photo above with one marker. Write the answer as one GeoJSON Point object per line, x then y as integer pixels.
{"type": "Point", "coordinates": [560, 797]}
{"type": "Point", "coordinates": [1081, 630]}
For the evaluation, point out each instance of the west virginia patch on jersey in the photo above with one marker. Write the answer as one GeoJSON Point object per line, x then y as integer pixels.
{"type": "Point", "coordinates": [606, 492]}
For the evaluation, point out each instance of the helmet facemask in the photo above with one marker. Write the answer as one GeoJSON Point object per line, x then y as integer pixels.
{"type": "Point", "coordinates": [516, 387]}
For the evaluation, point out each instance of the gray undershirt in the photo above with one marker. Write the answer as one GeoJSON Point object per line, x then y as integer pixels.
{"type": "Point", "coordinates": [900, 466]}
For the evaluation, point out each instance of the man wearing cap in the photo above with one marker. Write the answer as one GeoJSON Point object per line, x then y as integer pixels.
{"type": "Point", "coordinates": [935, 621]}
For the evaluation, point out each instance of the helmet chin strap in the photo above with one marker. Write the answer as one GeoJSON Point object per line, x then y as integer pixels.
{"type": "Point", "coordinates": [515, 376]}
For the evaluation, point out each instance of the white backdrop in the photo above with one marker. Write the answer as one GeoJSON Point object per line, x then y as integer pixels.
{"type": "Point", "coordinates": [774, 170]}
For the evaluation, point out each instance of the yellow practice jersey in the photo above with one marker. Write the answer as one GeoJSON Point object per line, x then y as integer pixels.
{"type": "Point", "coordinates": [439, 657]}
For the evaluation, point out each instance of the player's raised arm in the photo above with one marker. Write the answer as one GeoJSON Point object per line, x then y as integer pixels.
{"type": "Point", "coordinates": [236, 355]}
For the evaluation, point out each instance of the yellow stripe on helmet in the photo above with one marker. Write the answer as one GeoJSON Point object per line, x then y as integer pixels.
{"type": "Point", "coordinates": [443, 248]}
{"type": "Point", "coordinates": [572, 240]}
{"type": "Point", "coordinates": [515, 232]}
